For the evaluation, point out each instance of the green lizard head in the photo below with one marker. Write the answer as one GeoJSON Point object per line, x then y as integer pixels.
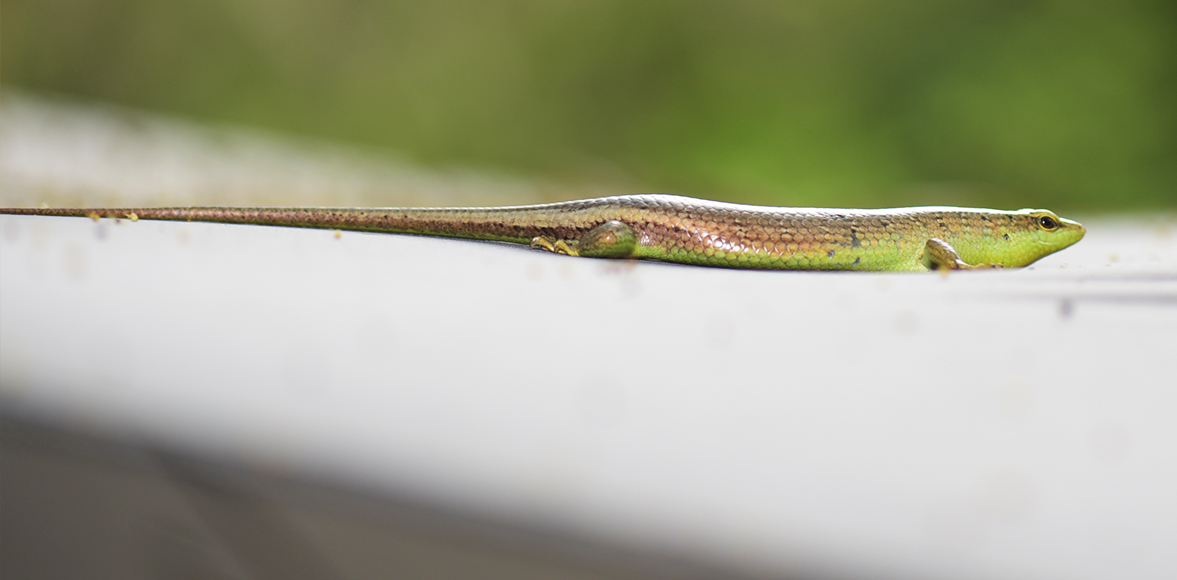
{"type": "Point", "coordinates": [1036, 233]}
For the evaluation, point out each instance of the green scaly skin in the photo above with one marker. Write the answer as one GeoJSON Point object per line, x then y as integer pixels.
{"type": "Point", "coordinates": [691, 231]}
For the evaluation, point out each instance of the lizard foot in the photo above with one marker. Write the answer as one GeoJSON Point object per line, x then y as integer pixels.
{"type": "Point", "coordinates": [555, 246]}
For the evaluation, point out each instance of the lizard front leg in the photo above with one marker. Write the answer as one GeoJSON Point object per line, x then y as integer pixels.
{"type": "Point", "coordinates": [940, 255]}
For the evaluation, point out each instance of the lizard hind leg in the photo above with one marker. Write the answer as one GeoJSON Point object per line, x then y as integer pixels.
{"type": "Point", "coordinates": [612, 239]}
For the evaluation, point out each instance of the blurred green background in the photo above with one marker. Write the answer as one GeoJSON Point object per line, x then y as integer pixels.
{"type": "Point", "coordinates": [1067, 104]}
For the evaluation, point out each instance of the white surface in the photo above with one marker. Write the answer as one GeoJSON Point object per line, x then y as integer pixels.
{"type": "Point", "coordinates": [1015, 424]}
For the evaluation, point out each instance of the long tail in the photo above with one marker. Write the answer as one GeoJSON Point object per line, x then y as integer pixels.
{"type": "Point", "coordinates": [502, 224]}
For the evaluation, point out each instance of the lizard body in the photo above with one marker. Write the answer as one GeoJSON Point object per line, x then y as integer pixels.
{"type": "Point", "coordinates": [690, 231]}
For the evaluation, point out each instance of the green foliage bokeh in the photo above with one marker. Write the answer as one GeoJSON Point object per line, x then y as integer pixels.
{"type": "Point", "coordinates": [1064, 104]}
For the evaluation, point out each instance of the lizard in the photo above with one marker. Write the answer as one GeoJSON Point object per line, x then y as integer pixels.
{"type": "Point", "coordinates": [689, 231]}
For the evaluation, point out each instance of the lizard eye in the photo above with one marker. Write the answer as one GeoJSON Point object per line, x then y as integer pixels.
{"type": "Point", "coordinates": [1047, 223]}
